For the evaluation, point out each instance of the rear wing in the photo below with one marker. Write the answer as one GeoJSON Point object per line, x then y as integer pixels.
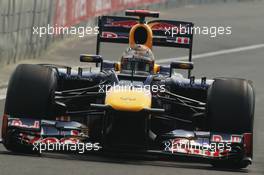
{"type": "Point", "coordinates": [167, 33]}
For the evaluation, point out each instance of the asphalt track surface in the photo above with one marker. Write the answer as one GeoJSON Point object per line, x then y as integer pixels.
{"type": "Point", "coordinates": [247, 24]}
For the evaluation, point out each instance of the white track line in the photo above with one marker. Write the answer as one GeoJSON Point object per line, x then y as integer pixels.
{"type": "Point", "coordinates": [203, 55]}
{"type": "Point", "coordinates": [216, 53]}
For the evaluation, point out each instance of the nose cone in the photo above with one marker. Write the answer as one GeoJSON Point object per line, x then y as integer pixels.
{"type": "Point", "coordinates": [123, 98]}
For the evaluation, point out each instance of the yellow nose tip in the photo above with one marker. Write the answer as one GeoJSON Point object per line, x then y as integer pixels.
{"type": "Point", "coordinates": [126, 99]}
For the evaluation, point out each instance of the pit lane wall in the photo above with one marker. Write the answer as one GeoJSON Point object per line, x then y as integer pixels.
{"type": "Point", "coordinates": [19, 17]}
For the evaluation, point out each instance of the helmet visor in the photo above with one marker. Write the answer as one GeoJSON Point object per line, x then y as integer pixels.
{"type": "Point", "coordinates": [140, 66]}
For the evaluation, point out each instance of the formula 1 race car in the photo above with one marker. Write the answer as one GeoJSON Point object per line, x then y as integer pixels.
{"type": "Point", "coordinates": [132, 106]}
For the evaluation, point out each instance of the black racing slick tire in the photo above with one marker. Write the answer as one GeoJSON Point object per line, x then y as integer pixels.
{"type": "Point", "coordinates": [30, 94]}
{"type": "Point", "coordinates": [230, 109]}
{"type": "Point", "coordinates": [230, 106]}
{"type": "Point", "coordinates": [30, 91]}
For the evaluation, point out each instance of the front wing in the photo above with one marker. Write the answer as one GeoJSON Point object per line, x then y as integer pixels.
{"type": "Point", "coordinates": [199, 144]}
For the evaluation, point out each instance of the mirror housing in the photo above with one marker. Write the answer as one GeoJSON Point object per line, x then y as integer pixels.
{"type": "Point", "coordinates": [91, 58]}
{"type": "Point", "coordinates": [181, 65]}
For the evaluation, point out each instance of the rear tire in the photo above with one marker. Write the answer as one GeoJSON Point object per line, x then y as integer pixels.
{"type": "Point", "coordinates": [230, 109]}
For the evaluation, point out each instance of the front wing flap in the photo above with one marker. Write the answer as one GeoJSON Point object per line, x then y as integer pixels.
{"type": "Point", "coordinates": [196, 144]}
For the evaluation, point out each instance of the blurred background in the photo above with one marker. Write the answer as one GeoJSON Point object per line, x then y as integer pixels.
{"type": "Point", "coordinates": [19, 18]}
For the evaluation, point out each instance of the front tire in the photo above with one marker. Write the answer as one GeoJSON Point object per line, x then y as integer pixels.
{"type": "Point", "coordinates": [30, 94]}
{"type": "Point", "coordinates": [230, 106]}
{"type": "Point", "coordinates": [30, 91]}
{"type": "Point", "coordinates": [230, 109]}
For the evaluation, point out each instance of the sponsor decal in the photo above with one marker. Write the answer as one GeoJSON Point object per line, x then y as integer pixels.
{"type": "Point", "coordinates": [75, 132]}
{"type": "Point", "coordinates": [126, 24]}
{"type": "Point", "coordinates": [217, 138]}
{"type": "Point", "coordinates": [233, 138]}
{"type": "Point", "coordinates": [160, 26]}
{"type": "Point", "coordinates": [216, 147]}
{"type": "Point", "coordinates": [236, 139]}
{"type": "Point", "coordinates": [19, 123]}
{"type": "Point", "coordinates": [182, 40]}
{"type": "Point", "coordinates": [30, 139]}
{"type": "Point", "coordinates": [109, 35]}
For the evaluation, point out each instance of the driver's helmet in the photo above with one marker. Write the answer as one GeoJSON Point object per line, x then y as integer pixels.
{"type": "Point", "coordinates": [139, 59]}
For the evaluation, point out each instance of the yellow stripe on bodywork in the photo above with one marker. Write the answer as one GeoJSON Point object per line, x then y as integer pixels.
{"type": "Point", "coordinates": [127, 99]}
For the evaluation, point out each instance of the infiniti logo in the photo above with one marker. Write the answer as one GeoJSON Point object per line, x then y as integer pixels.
{"type": "Point", "coordinates": [127, 98]}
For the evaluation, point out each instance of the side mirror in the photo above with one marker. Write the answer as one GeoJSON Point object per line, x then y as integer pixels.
{"type": "Point", "coordinates": [181, 65]}
{"type": "Point", "coordinates": [92, 59]}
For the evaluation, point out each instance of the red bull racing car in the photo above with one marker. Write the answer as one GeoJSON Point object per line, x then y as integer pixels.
{"type": "Point", "coordinates": [133, 105]}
